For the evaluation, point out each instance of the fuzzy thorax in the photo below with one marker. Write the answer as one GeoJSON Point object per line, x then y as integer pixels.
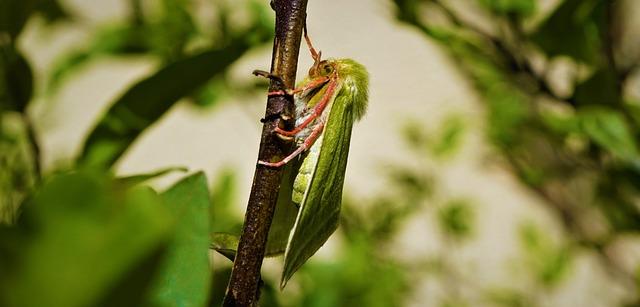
{"type": "Point", "coordinates": [355, 84]}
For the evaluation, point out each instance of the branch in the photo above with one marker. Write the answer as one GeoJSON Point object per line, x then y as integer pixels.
{"type": "Point", "coordinates": [35, 146]}
{"type": "Point", "coordinates": [243, 288]}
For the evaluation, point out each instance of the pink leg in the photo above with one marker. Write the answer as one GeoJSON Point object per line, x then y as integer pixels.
{"type": "Point", "coordinates": [306, 145]}
{"type": "Point", "coordinates": [318, 109]}
{"type": "Point", "coordinates": [311, 85]}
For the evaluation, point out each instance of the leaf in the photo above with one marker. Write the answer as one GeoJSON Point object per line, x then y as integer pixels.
{"type": "Point", "coordinates": [172, 32]}
{"type": "Point", "coordinates": [148, 100]}
{"type": "Point", "coordinates": [448, 138]}
{"type": "Point", "coordinates": [221, 277]}
{"type": "Point", "coordinates": [225, 244]}
{"type": "Point", "coordinates": [78, 239]}
{"type": "Point", "coordinates": [560, 123]}
{"type": "Point", "coordinates": [609, 129]}
{"type": "Point", "coordinates": [548, 261]}
{"type": "Point", "coordinates": [137, 179]}
{"type": "Point", "coordinates": [184, 276]}
{"type": "Point", "coordinates": [285, 213]}
{"type": "Point", "coordinates": [572, 30]}
{"type": "Point", "coordinates": [223, 195]}
{"type": "Point", "coordinates": [505, 7]}
{"type": "Point", "coordinates": [456, 219]}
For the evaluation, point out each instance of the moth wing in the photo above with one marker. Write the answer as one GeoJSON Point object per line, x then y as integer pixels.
{"type": "Point", "coordinates": [319, 211]}
{"type": "Point", "coordinates": [286, 210]}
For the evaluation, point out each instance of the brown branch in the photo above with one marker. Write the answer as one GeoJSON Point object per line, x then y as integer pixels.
{"type": "Point", "coordinates": [243, 288]}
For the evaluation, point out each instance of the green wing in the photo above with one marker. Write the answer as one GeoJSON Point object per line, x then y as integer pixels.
{"type": "Point", "coordinates": [320, 208]}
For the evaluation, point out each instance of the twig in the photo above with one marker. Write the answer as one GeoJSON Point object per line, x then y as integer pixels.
{"type": "Point", "coordinates": [243, 288]}
{"type": "Point", "coordinates": [35, 147]}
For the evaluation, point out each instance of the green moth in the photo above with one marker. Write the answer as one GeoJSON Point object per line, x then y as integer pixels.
{"type": "Point", "coordinates": [327, 102]}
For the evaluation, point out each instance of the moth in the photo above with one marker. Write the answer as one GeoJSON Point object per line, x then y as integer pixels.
{"type": "Point", "coordinates": [328, 101]}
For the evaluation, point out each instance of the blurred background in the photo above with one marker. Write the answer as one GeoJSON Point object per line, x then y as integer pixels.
{"type": "Point", "coordinates": [498, 163]}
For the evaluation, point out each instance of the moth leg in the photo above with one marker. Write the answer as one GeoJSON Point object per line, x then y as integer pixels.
{"type": "Point", "coordinates": [285, 138]}
{"type": "Point", "coordinates": [268, 75]}
{"type": "Point", "coordinates": [309, 86]}
{"type": "Point", "coordinates": [317, 110]}
{"type": "Point", "coordinates": [278, 116]}
{"type": "Point", "coordinates": [306, 145]}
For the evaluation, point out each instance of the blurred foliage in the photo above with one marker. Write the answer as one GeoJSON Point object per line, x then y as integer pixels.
{"type": "Point", "coordinates": [456, 219]}
{"type": "Point", "coordinates": [577, 151]}
{"type": "Point", "coordinates": [87, 239]}
{"type": "Point", "coordinates": [17, 171]}
{"type": "Point", "coordinates": [169, 32]}
{"type": "Point", "coordinates": [145, 102]}
{"type": "Point", "coordinates": [548, 261]}
{"type": "Point", "coordinates": [83, 237]}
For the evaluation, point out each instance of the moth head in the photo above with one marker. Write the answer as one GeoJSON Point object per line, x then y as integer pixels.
{"type": "Point", "coordinates": [323, 68]}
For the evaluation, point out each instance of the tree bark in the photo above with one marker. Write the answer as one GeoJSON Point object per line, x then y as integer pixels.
{"type": "Point", "coordinates": [243, 288]}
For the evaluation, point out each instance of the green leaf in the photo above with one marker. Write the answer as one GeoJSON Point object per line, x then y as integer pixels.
{"type": "Point", "coordinates": [573, 30]}
{"type": "Point", "coordinates": [170, 34]}
{"type": "Point", "coordinates": [137, 179]}
{"type": "Point", "coordinates": [456, 219]}
{"type": "Point", "coordinates": [81, 238]}
{"type": "Point", "coordinates": [221, 277]}
{"type": "Point", "coordinates": [223, 195]}
{"type": "Point", "coordinates": [560, 123]}
{"type": "Point", "coordinates": [549, 262]}
{"type": "Point", "coordinates": [609, 129]}
{"type": "Point", "coordinates": [225, 244]}
{"type": "Point", "coordinates": [504, 7]}
{"type": "Point", "coordinates": [448, 137]}
{"type": "Point", "coordinates": [185, 275]}
{"type": "Point", "coordinates": [149, 99]}
{"type": "Point", "coordinates": [285, 214]}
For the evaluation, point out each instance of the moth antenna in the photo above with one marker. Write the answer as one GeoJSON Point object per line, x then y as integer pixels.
{"type": "Point", "coordinates": [314, 54]}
